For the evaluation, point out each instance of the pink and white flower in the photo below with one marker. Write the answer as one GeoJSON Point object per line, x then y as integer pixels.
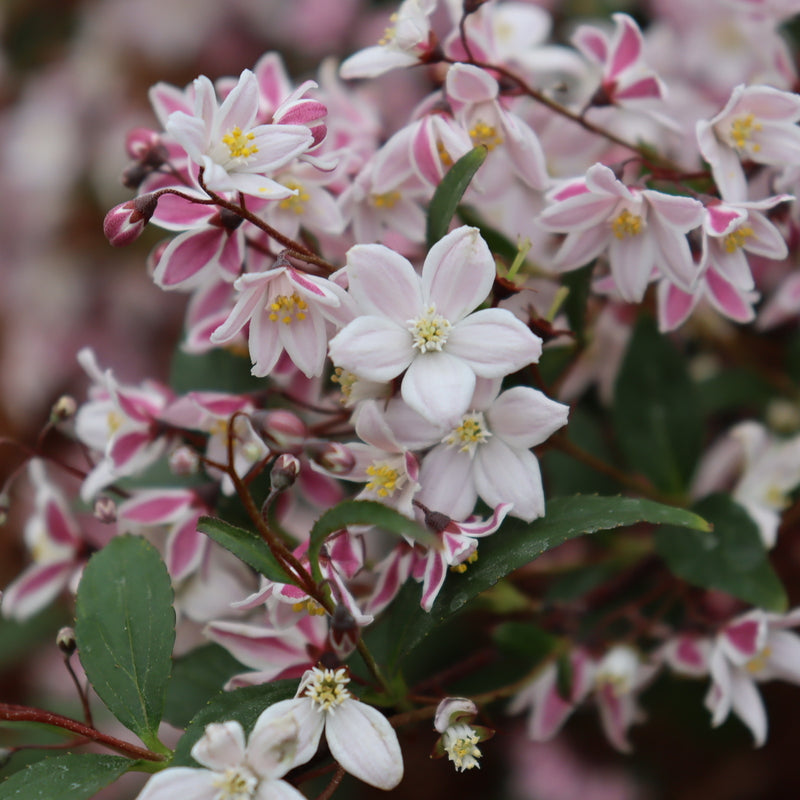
{"type": "Point", "coordinates": [236, 153]}
{"type": "Point", "coordinates": [424, 326]}
{"type": "Point", "coordinates": [758, 123]}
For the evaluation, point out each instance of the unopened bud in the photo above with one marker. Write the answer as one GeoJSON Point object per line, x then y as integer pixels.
{"type": "Point", "coordinates": [125, 222]}
{"type": "Point", "coordinates": [65, 639]}
{"type": "Point", "coordinates": [284, 472]}
{"type": "Point", "coordinates": [344, 632]}
{"type": "Point", "coordinates": [336, 458]}
{"type": "Point", "coordinates": [63, 409]}
{"type": "Point", "coordinates": [105, 509]}
{"type": "Point", "coordinates": [280, 427]}
{"type": "Point", "coordinates": [184, 461]}
{"type": "Point", "coordinates": [141, 142]}
{"type": "Point", "coordinates": [230, 219]}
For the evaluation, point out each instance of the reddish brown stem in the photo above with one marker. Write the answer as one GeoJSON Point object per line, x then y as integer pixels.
{"type": "Point", "coordinates": [14, 713]}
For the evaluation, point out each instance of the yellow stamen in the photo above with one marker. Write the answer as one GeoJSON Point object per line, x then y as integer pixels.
{"type": "Point", "coordinates": [742, 129]}
{"type": "Point", "coordinates": [486, 135]}
{"type": "Point", "coordinates": [327, 688]}
{"type": "Point", "coordinates": [384, 479]}
{"type": "Point", "coordinates": [736, 239]}
{"type": "Point", "coordinates": [296, 202]}
{"type": "Point", "coordinates": [287, 308]}
{"type": "Point", "coordinates": [430, 330]}
{"type": "Point", "coordinates": [310, 606]}
{"type": "Point", "coordinates": [471, 432]}
{"type": "Point", "coordinates": [238, 143]}
{"type": "Point", "coordinates": [627, 224]}
{"type": "Point", "coordinates": [346, 381]}
{"type": "Point", "coordinates": [389, 33]}
{"type": "Point", "coordinates": [462, 567]}
{"type": "Point", "coordinates": [236, 783]}
{"type": "Point", "coordinates": [385, 200]}
{"type": "Point", "coordinates": [759, 661]}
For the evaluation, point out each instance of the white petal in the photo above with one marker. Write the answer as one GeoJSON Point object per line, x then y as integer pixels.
{"type": "Point", "coordinates": [526, 417]}
{"type": "Point", "coordinates": [374, 348]}
{"type": "Point", "coordinates": [183, 782]}
{"type": "Point", "coordinates": [361, 739]}
{"type": "Point", "coordinates": [438, 386]}
{"type": "Point", "coordinates": [221, 746]}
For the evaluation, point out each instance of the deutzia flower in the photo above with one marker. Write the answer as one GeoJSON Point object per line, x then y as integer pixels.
{"type": "Point", "coordinates": [236, 153]}
{"type": "Point", "coordinates": [424, 327]}
{"type": "Point", "coordinates": [234, 771]}
{"type": "Point", "coordinates": [757, 124]}
{"type": "Point", "coordinates": [359, 737]}
{"type": "Point", "coordinates": [459, 740]}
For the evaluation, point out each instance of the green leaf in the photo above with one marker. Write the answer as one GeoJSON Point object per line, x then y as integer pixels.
{"type": "Point", "coordinates": [734, 389]}
{"type": "Point", "coordinates": [74, 776]}
{"type": "Point", "coordinates": [731, 557]}
{"type": "Point", "coordinates": [125, 629]}
{"type": "Point", "coordinates": [217, 370]}
{"type": "Point", "coordinates": [516, 544]}
{"type": "Point", "coordinates": [246, 546]}
{"type": "Point", "coordinates": [364, 512]}
{"type": "Point", "coordinates": [525, 640]}
{"type": "Point", "coordinates": [196, 678]}
{"type": "Point", "coordinates": [657, 414]}
{"type": "Point", "coordinates": [579, 283]}
{"type": "Point", "coordinates": [449, 192]}
{"type": "Point", "coordinates": [242, 705]}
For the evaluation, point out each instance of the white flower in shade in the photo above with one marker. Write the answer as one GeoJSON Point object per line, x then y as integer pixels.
{"type": "Point", "coordinates": [752, 648]}
{"type": "Point", "coordinates": [236, 153]}
{"type": "Point", "coordinates": [424, 325]}
{"type": "Point", "coordinates": [233, 770]}
{"type": "Point", "coordinates": [758, 123]}
{"type": "Point", "coordinates": [359, 737]}
{"type": "Point", "coordinates": [459, 740]}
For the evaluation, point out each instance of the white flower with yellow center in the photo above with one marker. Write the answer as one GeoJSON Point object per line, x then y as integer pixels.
{"type": "Point", "coordinates": [757, 124]}
{"type": "Point", "coordinates": [427, 327]}
{"type": "Point", "coordinates": [359, 737]}
{"type": "Point", "coordinates": [237, 154]}
{"type": "Point", "coordinates": [233, 770]}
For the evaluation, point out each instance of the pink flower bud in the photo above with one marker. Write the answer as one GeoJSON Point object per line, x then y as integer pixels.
{"type": "Point", "coordinates": [184, 461]}
{"type": "Point", "coordinates": [335, 458]}
{"type": "Point", "coordinates": [105, 509]}
{"type": "Point", "coordinates": [125, 222]}
{"type": "Point", "coordinates": [280, 427]}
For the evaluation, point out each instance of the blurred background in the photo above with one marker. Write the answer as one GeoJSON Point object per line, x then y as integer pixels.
{"type": "Point", "coordinates": [74, 76]}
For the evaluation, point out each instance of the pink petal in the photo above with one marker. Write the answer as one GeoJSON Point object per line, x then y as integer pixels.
{"type": "Point", "coordinates": [626, 46]}
{"type": "Point", "coordinates": [525, 417]}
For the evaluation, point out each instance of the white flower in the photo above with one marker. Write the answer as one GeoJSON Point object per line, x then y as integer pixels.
{"type": "Point", "coordinates": [424, 325]}
{"type": "Point", "coordinates": [236, 153]}
{"type": "Point", "coordinates": [234, 771]}
{"type": "Point", "coordinates": [359, 737]}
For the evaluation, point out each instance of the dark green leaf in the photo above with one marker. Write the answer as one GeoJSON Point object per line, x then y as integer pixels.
{"type": "Point", "coordinates": [516, 544]}
{"type": "Point", "coordinates": [735, 388]}
{"type": "Point", "coordinates": [125, 629]}
{"type": "Point", "coordinates": [246, 546]}
{"type": "Point", "coordinates": [364, 512]}
{"type": "Point", "coordinates": [657, 415]}
{"type": "Point", "coordinates": [242, 705]}
{"type": "Point", "coordinates": [449, 192]}
{"type": "Point", "coordinates": [74, 776]}
{"type": "Point", "coordinates": [525, 640]}
{"type": "Point", "coordinates": [579, 284]}
{"type": "Point", "coordinates": [196, 678]}
{"type": "Point", "coordinates": [217, 370]}
{"type": "Point", "coordinates": [731, 557]}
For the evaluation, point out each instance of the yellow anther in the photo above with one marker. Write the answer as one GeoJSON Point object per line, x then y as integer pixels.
{"type": "Point", "coordinates": [470, 432]}
{"type": "Point", "coordinates": [389, 33]}
{"type": "Point", "coordinates": [287, 308]}
{"type": "Point", "coordinates": [430, 330]}
{"type": "Point", "coordinates": [742, 129]}
{"type": "Point", "coordinates": [462, 567]}
{"type": "Point", "coordinates": [346, 381]}
{"type": "Point", "coordinates": [460, 743]}
{"type": "Point", "coordinates": [759, 661]}
{"type": "Point", "coordinates": [444, 156]}
{"type": "Point", "coordinates": [327, 688]}
{"type": "Point", "coordinates": [486, 135]}
{"type": "Point", "coordinates": [736, 239]}
{"type": "Point", "coordinates": [114, 421]}
{"type": "Point", "coordinates": [296, 202]}
{"type": "Point", "coordinates": [236, 783]}
{"type": "Point", "coordinates": [310, 606]}
{"type": "Point", "coordinates": [627, 224]}
{"type": "Point", "coordinates": [384, 479]}
{"type": "Point", "coordinates": [385, 200]}
{"type": "Point", "coordinates": [238, 143]}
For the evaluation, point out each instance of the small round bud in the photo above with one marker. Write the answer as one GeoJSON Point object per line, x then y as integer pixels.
{"type": "Point", "coordinates": [284, 472]}
{"type": "Point", "coordinates": [125, 222]}
{"type": "Point", "coordinates": [280, 427]}
{"type": "Point", "coordinates": [63, 409]}
{"type": "Point", "coordinates": [184, 460]}
{"type": "Point", "coordinates": [105, 509]}
{"type": "Point", "coordinates": [65, 639]}
{"type": "Point", "coordinates": [336, 458]}
{"type": "Point", "coordinates": [140, 142]}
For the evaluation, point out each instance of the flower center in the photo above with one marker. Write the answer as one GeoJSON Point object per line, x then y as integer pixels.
{"type": "Point", "coordinates": [462, 567]}
{"type": "Point", "coordinates": [296, 202]}
{"type": "Point", "coordinates": [236, 783]}
{"type": "Point", "coordinates": [114, 421]}
{"type": "Point", "coordinates": [759, 661]}
{"type": "Point", "coordinates": [389, 33]}
{"type": "Point", "coordinates": [346, 381]}
{"type": "Point", "coordinates": [430, 330]}
{"type": "Point", "coordinates": [310, 606]}
{"type": "Point", "coordinates": [238, 143]}
{"type": "Point", "coordinates": [486, 135]}
{"type": "Point", "coordinates": [384, 479]}
{"type": "Point", "coordinates": [741, 132]}
{"type": "Point", "coordinates": [327, 688]}
{"type": "Point", "coordinates": [460, 745]}
{"type": "Point", "coordinates": [471, 432]}
{"type": "Point", "coordinates": [736, 239]}
{"type": "Point", "coordinates": [287, 307]}
{"type": "Point", "coordinates": [627, 224]}
{"type": "Point", "coordinates": [385, 200]}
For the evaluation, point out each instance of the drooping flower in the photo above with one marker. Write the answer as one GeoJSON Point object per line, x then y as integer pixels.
{"type": "Point", "coordinates": [424, 326]}
{"type": "Point", "coordinates": [233, 769]}
{"type": "Point", "coordinates": [459, 738]}
{"type": "Point", "coordinates": [359, 737]}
